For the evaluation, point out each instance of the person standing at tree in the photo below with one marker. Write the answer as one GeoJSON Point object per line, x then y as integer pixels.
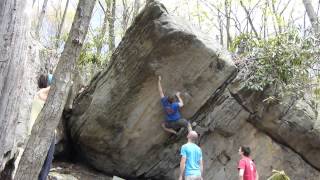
{"type": "Point", "coordinates": [172, 107]}
{"type": "Point", "coordinates": [191, 164]}
{"type": "Point", "coordinates": [40, 98]}
{"type": "Point", "coordinates": [44, 83]}
{"type": "Point", "coordinates": [38, 102]}
{"type": "Point", "coordinates": [246, 167]}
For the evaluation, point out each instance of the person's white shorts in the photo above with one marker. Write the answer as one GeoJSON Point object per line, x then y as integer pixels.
{"type": "Point", "coordinates": [193, 178]}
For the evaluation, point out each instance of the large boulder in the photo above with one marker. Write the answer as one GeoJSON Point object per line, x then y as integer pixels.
{"type": "Point", "coordinates": [116, 121]}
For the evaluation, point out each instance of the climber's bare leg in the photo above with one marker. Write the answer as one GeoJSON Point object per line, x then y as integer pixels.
{"type": "Point", "coordinates": [189, 127]}
{"type": "Point", "coordinates": [168, 129]}
{"type": "Point", "coordinates": [185, 123]}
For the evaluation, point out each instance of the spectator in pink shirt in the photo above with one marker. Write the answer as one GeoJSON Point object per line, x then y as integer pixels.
{"type": "Point", "coordinates": [247, 168]}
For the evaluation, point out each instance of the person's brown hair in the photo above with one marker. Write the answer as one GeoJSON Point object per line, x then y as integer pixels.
{"type": "Point", "coordinates": [246, 151]}
{"type": "Point", "coordinates": [171, 99]}
{"type": "Point", "coordinates": [43, 81]}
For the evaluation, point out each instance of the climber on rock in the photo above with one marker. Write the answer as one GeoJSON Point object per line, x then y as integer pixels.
{"type": "Point", "coordinates": [173, 121]}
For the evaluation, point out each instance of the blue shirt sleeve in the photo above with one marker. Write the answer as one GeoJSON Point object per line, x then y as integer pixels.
{"type": "Point", "coordinates": [183, 152]}
{"type": "Point", "coordinates": [164, 100]}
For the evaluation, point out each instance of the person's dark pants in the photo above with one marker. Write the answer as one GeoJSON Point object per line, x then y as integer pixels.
{"type": "Point", "coordinates": [47, 163]}
{"type": "Point", "coordinates": [176, 125]}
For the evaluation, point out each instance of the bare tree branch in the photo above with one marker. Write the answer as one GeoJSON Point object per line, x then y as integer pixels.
{"type": "Point", "coordinates": [61, 24]}
{"type": "Point", "coordinates": [101, 6]}
{"type": "Point", "coordinates": [284, 8]}
{"type": "Point", "coordinates": [249, 19]}
{"type": "Point", "coordinates": [136, 7]}
{"type": "Point", "coordinates": [211, 6]}
{"type": "Point", "coordinates": [312, 15]}
{"type": "Point", "coordinates": [43, 11]}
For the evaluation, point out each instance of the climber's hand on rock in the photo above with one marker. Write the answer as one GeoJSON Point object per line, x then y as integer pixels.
{"type": "Point", "coordinates": [159, 78]}
{"type": "Point", "coordinates": [178, 94]}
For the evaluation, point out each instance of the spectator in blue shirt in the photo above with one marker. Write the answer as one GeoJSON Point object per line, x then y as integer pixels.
{"type": "Point", "coordinates": [171, 107]}
{"type": "Point", "coordinates": [191, 164]}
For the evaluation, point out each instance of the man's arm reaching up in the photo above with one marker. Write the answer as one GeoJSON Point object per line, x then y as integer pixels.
{"type": "Point", "coordinates": [160, 87]}
{"type": "Point", "coordinates": [180, 99]}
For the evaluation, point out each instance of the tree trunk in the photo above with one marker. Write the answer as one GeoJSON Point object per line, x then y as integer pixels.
{"type": "Point", "coordinates": [43, 12]}
{"type": "Point", "coordinates": [312, 15]}
{"type": "Point", "coordinates": [103, 33]}
{"type": "Point", "coordinates": [136, 8]}
{"type": "Point", "coordinates": [264, 19]}
{"type": "Point", "coordinates": [111, 8]}
{"type": "Point", "coordinates": [227, 7]}
{"type": "Point", "coordinates": [198, 14]}
{"type": "Point", "coordinates": [220, 28]}
{"type": "Point", "coordinates": [16, 86]}
{"type": "Point", "coordinates": [48, 119]}
{"type": "Point", "coordinates": [304, 25]}
{"type": "Point", "coordinates": [61, 24]}
{"type": "Point", "coordinates": [125, 16]}
{"type": "Point", "coordinates": [276, 16]}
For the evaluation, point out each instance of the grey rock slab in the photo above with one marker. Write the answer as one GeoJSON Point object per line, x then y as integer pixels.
{"type": "Point", "coordinates": [116, 125]}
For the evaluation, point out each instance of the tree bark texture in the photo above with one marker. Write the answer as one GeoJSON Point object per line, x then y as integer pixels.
{"type": "Point", "coordinates": [312, 15]}
{"type": "Point", "coordinates": [43, 12]}
{"type": "Point", "coordinates": [48, 119]}
{"type": "Point", "coordinates": [16, 68]}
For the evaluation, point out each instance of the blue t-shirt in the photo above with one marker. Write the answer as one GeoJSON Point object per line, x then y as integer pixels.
{"type": "Point", "coordinates": [171, 110]}
{"type": "Point", "coordinates": [193, 155]}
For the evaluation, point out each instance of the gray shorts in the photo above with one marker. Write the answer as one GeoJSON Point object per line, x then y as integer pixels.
{"type": "Point", "coordinates": [176, 124]}
{"type": "Point", "coordinates": [193, 178]}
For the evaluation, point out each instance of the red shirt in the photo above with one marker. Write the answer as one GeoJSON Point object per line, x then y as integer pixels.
{"type": "Point", "coordinates": [249, 168]}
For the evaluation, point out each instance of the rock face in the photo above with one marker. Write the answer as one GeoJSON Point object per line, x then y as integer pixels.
{"type": "Point", "coordinates": [229, 126]}
{"type": "Point", "coordinates": [115, 123]}
{"type": "Point", "coordinates": [292, 122]}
